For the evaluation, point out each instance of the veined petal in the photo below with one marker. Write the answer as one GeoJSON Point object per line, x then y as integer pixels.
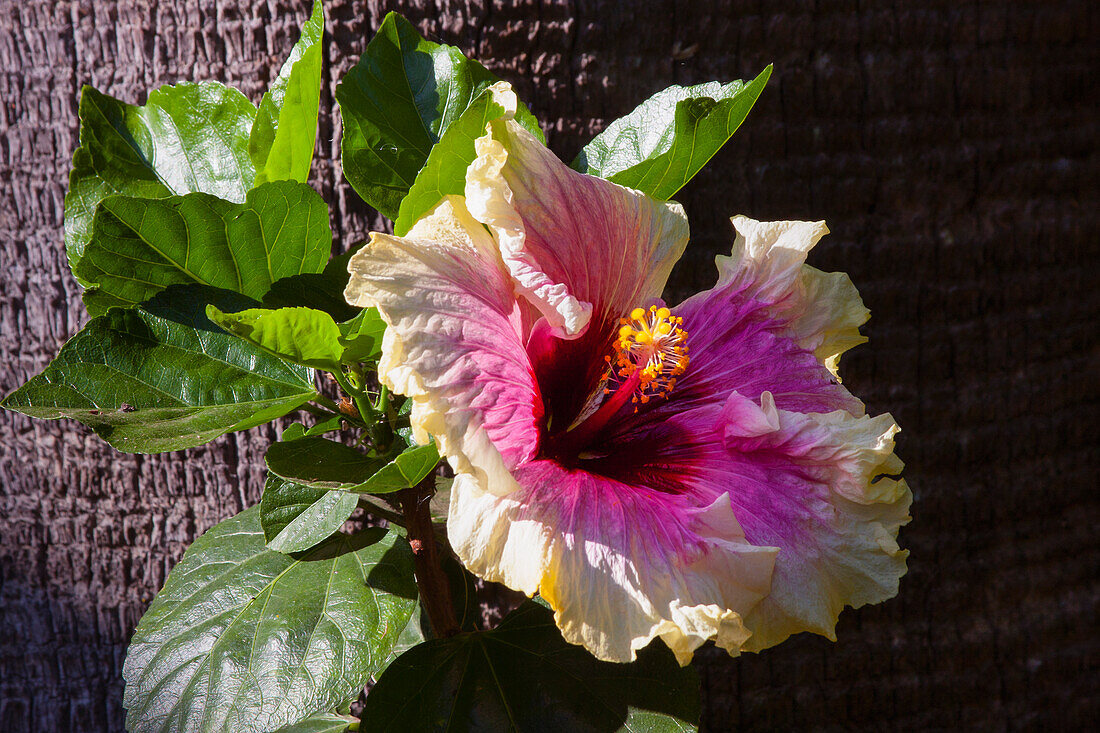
{"type": "Point", "coordinates": [823, 311]}
{"type": "Point", "coordinates": [620, 565]}
{"type": "Point", "coordinates": [578, 247]}
{"type": "Point", "coordinates": [739, 343]}
{"type": "Point", "coordinates": [822, 488]}
{"type": "Point", "coordinates": [454, 342]}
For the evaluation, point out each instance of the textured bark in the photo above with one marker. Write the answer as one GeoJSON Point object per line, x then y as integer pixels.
{"type": "Point", "coordinates": [952, 150]}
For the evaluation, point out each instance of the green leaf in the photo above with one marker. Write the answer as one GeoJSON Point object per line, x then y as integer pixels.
{"type": "Point", "coordinates": [324, 464]}
{"type": "Point", "coordinates": [320, 723]}
{"type": "Point", "coordinates": [308, 336]}
{"type": "Point", "coordinates": [403, 472]}
{"type": "Point", "coordinates": [187, 138]}
{"type": "Point", "coordinates": [396, 103]}
{"type": "Point", "coordinates": [362, 337]}
{"type": "Point", "coordinates": [285, 131]}
{"type": "Point", "coordinates": [668, 138]}
{"type": "Point", "coordinates": [412, 635]}
{"type": "Point", "coordinates": [301, 335]}
{"type": "Point", "coordinates": [320, 464]}
{"type": "Point", "coordinates": [296, 517]}
{"type": "Point", "coordinates": [141, 246]}
{"type": "Point", "coordinates": [327, 425]}
{"type": "Point", "coordinates": [246, 638]}
{"type": "Point", "coordinates": [444, 171]}
{"type": "Point", "coordinates": [162, 377]}
{"type": "Point", "coordinates": [324, 291]}
{"type": "Point", "coordinates": [522, 676]}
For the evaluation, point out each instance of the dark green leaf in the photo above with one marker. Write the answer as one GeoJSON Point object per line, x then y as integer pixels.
{"type": "Point", "coordinates": [298, 430]}
{"type": "Point", "coordinates": [296, 517]}
{"type": "Point", "coordinates": [324, 291]}
{"type": "Point", "coordinates": [246, 638]}
{"type": "Point", "coordinates": [301, 335]}
{"type": "Point", "coordinates": [324, 464]}
{"type": "Point", "coordinates": [412, 635]}
{"type": "Point", "coordinates": [325, 426]}
{"type": "Point", "coordinates": [444, 172]}
{"type": "Point", "coordinates": [362, 337]}
{"type": "Point", "coordinates": [320, 723]}
{"type": "Point", "coordinates": [464, 598]}
{"type": "Point", "coordinates": [321, 464]}
{"type": "Point", "coordinates": [403, 472]}
{"type": "Point", "coordinates": [285, 130]}
{"type": "Point", "coordinates": [187, 138]}
{"type": "Point", "coordinates": [523, 676]}
{"type": "Point", "coordinates": [294, 431]}
{"type": "Point", "coordinates": [141, 246]}
{"type": "Point", "coordinates": [404, 412]}
{"type": "Point", "coordinates": [668, 138]}
{"type": "Point", "coordinates": [396, 103]}
{"type": "Point", "coordinates": [162, 377]}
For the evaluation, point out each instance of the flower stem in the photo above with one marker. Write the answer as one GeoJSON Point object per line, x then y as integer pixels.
{"type": "Point", "coordinates": [435, 591]}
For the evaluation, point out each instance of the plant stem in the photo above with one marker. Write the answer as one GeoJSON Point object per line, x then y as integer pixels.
{"type": "Point", "coordinates": [367, 413]}
{"type": "Point", "coordinates": [435, 591]}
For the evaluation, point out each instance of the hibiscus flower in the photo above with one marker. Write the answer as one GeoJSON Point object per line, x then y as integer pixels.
{"type": "Point", "coordinates": [692, 472]}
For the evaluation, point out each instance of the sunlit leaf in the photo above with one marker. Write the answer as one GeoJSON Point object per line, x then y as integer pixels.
{"type": "Point", "coordinates": [244, 638]}
{"type": "Point", "coordinates": [186, 138]}
{"type": "Point", "coordinates": [296, 517]}
{"type": "Point", "coordinates": [141, 246]}
{"type": "Point", "coordinates": [162, 377]}
{"type": "Point", "coordinates": [396, 103]}
{"type": "Point", "coordinates": [285, 131]}
{"type": "Point", "coordinates": [668, 138]}
{"type": "Point", "coordinates": [301, 335]}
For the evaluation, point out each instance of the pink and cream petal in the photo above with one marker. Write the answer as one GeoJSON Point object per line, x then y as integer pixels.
{"type": "Point", "coordinates": [823, 489]}
{"type": "Point", "coordinates": [823, 311]}
{"type": "Point", "coordinates": [454, 342]}
{"type": "Point", "coordinates": [620, 565]}
{"type": "Point", "coordinates": [578, 246]}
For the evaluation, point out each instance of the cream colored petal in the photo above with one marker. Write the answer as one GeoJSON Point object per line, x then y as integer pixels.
{"type": "Point", "coordinates": [601, 564]}
{"type": "Point", "coordinates": [454, 343]}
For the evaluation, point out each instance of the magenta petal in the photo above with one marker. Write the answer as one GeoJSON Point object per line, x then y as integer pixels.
{"type": "Point", "coordinates": [737, 344]}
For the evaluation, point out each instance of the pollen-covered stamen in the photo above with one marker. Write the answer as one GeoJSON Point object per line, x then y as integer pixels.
{"type": "Point", "coordinates": [651, 344]}
{"type": "Point", "coordinates": [650, 352]}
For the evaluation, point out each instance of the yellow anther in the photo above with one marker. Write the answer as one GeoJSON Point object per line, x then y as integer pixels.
{"type": "Point", "coordinates": [651, 348]}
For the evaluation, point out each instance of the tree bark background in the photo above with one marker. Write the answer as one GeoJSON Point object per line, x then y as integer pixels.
{"type": "Point", "coordinates": [952, 147]}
